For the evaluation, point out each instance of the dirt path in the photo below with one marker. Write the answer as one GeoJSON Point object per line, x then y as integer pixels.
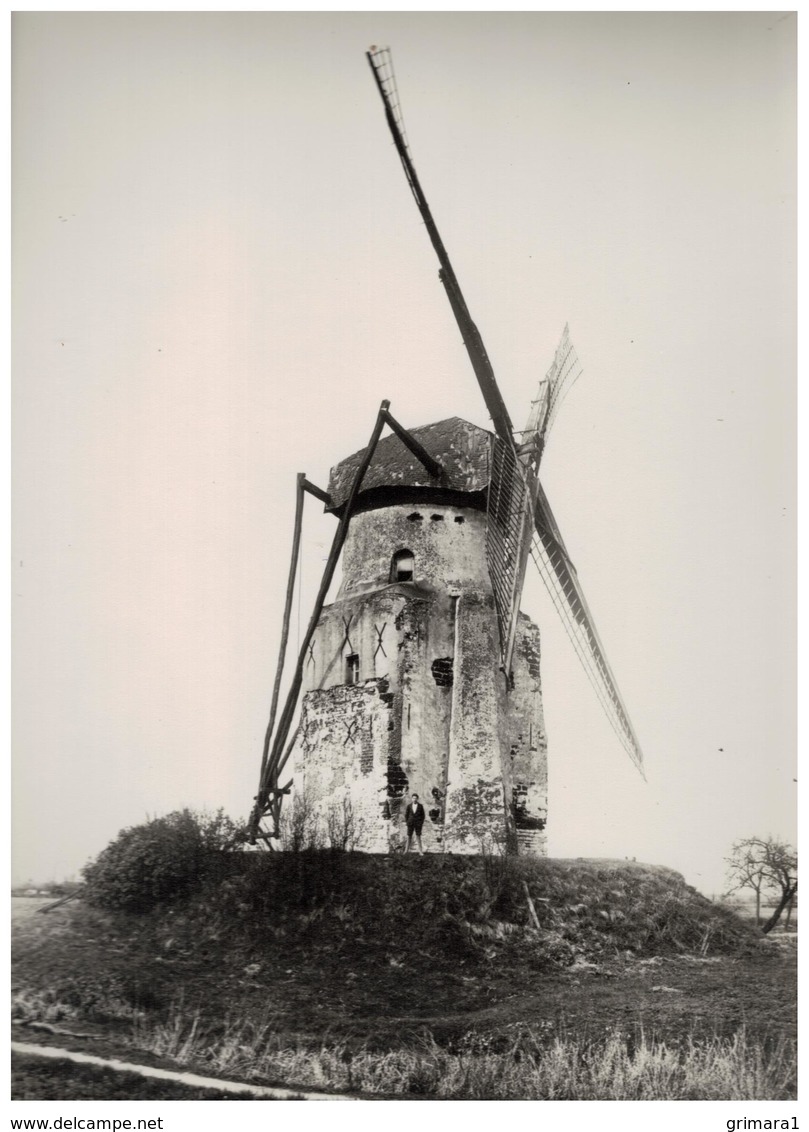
{"type": "Point", "coordinates": [191, 1080]}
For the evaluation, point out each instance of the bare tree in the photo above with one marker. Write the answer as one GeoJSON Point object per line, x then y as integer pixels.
{"type": "Point", "coordinates": [782, 865]}
{"type": "Point", "coordinates": [791, 906]}
{"type": "Point", "coordinates": [299, 826]}
{"type": "Point", "coordinates": [344, 828]}
{"type": "Point", "coordinates": [764, 865]}
{"type": "Point", "coordinates": [746, 870]}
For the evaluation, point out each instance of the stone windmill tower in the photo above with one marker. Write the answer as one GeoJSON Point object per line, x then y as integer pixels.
{"type": "Point", "coordinates": [423, 675]}
{"type": "Point", "coordinates": [402, 685]}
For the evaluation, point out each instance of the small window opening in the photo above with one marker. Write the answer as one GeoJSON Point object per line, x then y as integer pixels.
{"type": "Point", "coordinates": [397, 780]}
{"type": "Point", "coordinates": [459, 518]}
{"type": "Point", "coordinates": [402, 566]}
{"type": "Point", "coordinates": [415, 517]}
{"type": "Point", "coordinates": [352, 668]}
{"type": "Point", "coordinates": [437, 518]}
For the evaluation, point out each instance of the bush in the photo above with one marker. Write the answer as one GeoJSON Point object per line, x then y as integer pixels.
{"type": "Point", "coordinates": [161, 860]}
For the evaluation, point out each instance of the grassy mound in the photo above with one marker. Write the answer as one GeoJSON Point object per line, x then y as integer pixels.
{"type": "Point", "coordinates": [542, 914]}
{"type": "Point", "coordinates": [318, 921]}
{"type": "Point", "coordinates": [426, 976]}
{"type": "Point", "coordinates": [549, 912]}
{"type": "Point", "coordinates": [386, 935]}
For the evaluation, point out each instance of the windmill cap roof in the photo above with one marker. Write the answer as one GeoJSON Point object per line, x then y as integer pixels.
{"type": "Point", "coordinates": [460, 447]}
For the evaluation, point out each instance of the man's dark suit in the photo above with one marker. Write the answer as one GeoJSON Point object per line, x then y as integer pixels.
{"type": "Point", "coordinates": [414, 816]}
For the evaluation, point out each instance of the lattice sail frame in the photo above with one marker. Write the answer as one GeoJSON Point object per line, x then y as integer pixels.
{"type": "Point", "coordinates": [563, 373]}
{"type": "Point", "coordinates": [508, 536]}
{"type": "Point", "coordinates": [513, 493]}
{"type": "Point", "coordinates": [561, 581]}
{"type": "Point", "coordinates": [520, 522]}
{"type": "Point", "coordinates": [383, 65]}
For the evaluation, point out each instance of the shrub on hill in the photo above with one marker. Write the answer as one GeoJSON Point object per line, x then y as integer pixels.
{"type": "Point", "coordinates": [161, 860]}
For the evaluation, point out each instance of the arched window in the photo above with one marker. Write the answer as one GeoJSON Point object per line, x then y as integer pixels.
{"type": "Point", "coordinates": [402, 566]}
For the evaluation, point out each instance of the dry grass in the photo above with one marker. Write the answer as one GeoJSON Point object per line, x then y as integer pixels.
{"type": "Point", "coordinates": [534, 1065]}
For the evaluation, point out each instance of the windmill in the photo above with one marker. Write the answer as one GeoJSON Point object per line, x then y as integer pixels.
{"type": "Point", "coordinates": [379, 716]}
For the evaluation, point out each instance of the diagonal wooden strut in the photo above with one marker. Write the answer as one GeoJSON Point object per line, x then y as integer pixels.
{"type": "Point", "coordinates": [419, 451]}
{"type": "Point", "coordinates": [302, 484]}
{"type": "Point", "coordinates": [293, 565]}
{"type": "Point", "coordinates": [317, 492]}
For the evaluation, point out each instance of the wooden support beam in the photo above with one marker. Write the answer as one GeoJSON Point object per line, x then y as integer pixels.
{"type": "Point", "coordinates": [282, 762]}
{"type": "Point", "coordinates": [293, 565]}
{"type": "Point", "coordinates": [318, 492]}
{"type": "Point", "coordinates": [270, 769]}
{"type": "Point", "coordinates": [419, 451]}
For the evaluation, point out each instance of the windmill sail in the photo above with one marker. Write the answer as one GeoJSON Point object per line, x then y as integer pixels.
{"type": "Point", "coordinates": [514, 490]}
{"type": "Point", "coordinates": [565, 370]}
{"type": "Point", "coordinates": [520, 520]}
{"type": "Point", "coordinates": [507, 536]}
{"type": "Point", "coordinates": [379, 59]}
{"type": "Point", "coordinates": [510, 499]}
{"type": "Point", "coordinates": [559, 575]}
{"type": "Point", "coordinates": [510, 507]}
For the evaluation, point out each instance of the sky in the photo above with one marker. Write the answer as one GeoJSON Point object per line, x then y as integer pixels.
{"type": "Point", "coordinates": [218, 274]}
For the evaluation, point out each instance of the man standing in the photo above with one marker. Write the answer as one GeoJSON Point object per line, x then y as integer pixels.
{"type": "Point", "coordinates": [414, 816]}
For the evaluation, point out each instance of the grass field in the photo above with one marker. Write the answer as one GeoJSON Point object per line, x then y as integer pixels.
{"type": "Point", "coordinates": [633, 987]}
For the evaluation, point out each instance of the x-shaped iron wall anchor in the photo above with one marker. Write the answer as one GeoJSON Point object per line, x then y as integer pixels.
{"type": "Point", "coordinates": [346, 639]}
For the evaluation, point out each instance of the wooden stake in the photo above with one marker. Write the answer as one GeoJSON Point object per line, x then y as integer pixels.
{"type": "Point", "coordinates": [62, 900]}
{"type": "Point", "coordinates": [531, 907]}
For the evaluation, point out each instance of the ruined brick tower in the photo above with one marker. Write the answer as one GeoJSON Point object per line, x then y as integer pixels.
{"type": "Point", "coordinates": [402, 681]}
